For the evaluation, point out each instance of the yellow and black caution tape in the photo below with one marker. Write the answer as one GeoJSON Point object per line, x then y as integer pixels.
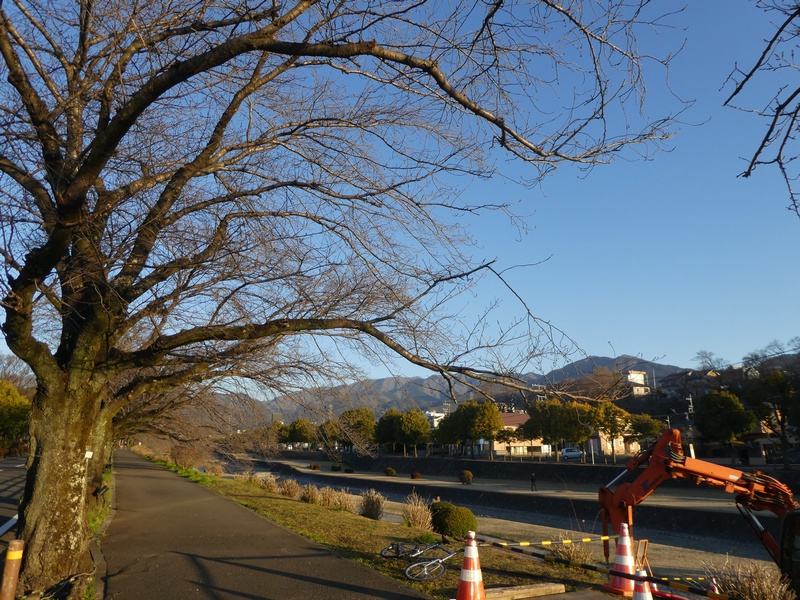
{"type": "Point", "coordinates": [657, 580]}
{"type": "Point", "coordinates": [602, 538]}
{"type": "Point", "coordinates": [681, 578]}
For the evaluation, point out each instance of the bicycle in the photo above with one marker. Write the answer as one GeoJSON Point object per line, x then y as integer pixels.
{"type": "Point", "coordinates": [411, 550]}
{"type": "Point", "coordinates": [428, 570]}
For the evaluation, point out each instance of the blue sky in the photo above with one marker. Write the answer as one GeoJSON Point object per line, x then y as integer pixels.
{"type": "Point", "coordinates": [669, 256]}
{"type": "Point", "coordinates": [676, 254]}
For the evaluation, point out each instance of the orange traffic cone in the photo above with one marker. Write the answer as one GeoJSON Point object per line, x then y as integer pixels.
{"type": "Point", "coordinates": [641, 590]}
{"type": "Point", "coordinates": [713, 586]}
{"type": "Point", "coordinates": [470, 585]}
{"type": "Point", "coordinates": [623, 563]}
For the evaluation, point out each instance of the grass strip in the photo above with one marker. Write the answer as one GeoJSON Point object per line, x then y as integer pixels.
{"type": "Point", "coordinates": [361, 539]}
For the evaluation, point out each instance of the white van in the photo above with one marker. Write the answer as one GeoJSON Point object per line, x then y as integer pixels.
{"type": "Point", "coordinates": [567, 453]}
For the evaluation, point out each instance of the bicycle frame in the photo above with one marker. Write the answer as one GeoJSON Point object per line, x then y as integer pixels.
{"type": "Point", "coordinates": [427, 570]}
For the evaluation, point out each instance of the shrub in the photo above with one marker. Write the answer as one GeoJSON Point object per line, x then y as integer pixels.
{"type": "Point", "coordinates": [579, 553]}
{"type": "Point", "coordinates": [346, 501]}
{"type": "Point", "coordinates": [314, 467]}
{"type": "Point", "coordinates": [311, 494]}
{"type": "Point", "coordinates": [246, 476]}
{"type": "Point", "coordinates": [290, 488]}
{"type": "Point", "coordinates": [341, 499]}
{"type": "Point", "coordinates": [372, 505]}
{"type": "Point", "coordinates": [327, 496]}
{"type": "Point", "coordinates": [416, 512]}
{"type": "Point", "coordinates": [440, 506]}
{"type": "Point", "coordinates": [267, 481]}
{"type": "Point", "coordinates": [453, 521]}
{"type": "Point", "coordinates": [389, 471]}
{"type": "Point", "coordinates": [416, 475]}
{"type": "Point", "coordinates": [336, 467]}
{"type": "Point", "coordinates": [465, 477]}
{"type": "Point", "coordinates": [750, 581]}
{"type": "Point", "coordinates": [215, 470]}
{"type": "Point", "coordinates": [184, 457]}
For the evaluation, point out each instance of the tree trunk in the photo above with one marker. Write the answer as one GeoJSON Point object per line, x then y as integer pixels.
{"type": "Point", "coordinates": [69, 444]}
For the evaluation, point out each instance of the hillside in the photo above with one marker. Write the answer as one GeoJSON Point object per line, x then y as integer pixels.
{"type": "Point", "coordinates": [581, 368]}
{"type": "Point", "coordinates": [431, 393]}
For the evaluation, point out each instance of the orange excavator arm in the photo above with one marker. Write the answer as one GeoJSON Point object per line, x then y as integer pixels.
{"type": "Point", "coordinates": [665, 460]}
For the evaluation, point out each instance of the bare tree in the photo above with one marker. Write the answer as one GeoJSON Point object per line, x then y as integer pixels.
{"type": "Point", "coordinates": [765, 89]}
{"type": "Point", "coordinates": [18, 374]}
{"type": "Point", "coordinates": [709, 361]}
{"type": "Point", "coordinates": [187, 187]}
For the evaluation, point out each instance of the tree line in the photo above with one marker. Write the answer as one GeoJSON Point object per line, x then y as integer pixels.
{"type": "Point", "coordinates": [553, 421]}
{"type": "Point", "coordinates": [763, 391]}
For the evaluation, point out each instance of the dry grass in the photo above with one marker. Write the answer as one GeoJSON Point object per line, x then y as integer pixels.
{"type": "Point", "coordinates": [372, 505]}
{"type": "Point", "coordinates": [186, 457]}
{"type": "Point", "coordinates": [416, 512]}
{"type": "Point", "coordinates": [346, 501]}
{"type": "Point", "coordinates": [750, 581]}
{"type": "Point", "coordinates": [328, 496]}
{"type": "Point", "coordinates": [215, 469]}
{"type": "Point", "coordinates": [573, 552]}
{"type": "Point", "coordinates": [246, 476]}
{"type": "Point", "coordinates": [268, 482]}
{"type": "Point", "coordinates": [290, 488]}
{"type": "Point", "coordinates": [311, 494]}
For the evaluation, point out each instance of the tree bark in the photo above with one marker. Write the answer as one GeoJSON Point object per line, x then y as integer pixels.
{"type": "Point", "coordinates": [59, 483]}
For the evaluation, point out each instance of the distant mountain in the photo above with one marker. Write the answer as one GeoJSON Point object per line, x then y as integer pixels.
{"type": "Point", "coordinates": [581, 368]}
{"type": "Point", "coordinates": [431, 393]}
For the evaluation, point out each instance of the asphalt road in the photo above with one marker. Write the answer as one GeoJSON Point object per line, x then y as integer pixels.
{"type": "Point", "coordinates": [173, 539]}
{"type": "Point", "coordinates": [12, 482]}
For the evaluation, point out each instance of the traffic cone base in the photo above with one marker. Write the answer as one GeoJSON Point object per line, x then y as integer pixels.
{"type": "Point", "coordinates": [623, 563]}
{"type": "Point", "coordinates": [470, 584]}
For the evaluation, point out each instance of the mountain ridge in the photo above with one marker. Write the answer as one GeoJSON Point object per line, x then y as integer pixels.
{"type": "Point", "coordinates": [432, 393]}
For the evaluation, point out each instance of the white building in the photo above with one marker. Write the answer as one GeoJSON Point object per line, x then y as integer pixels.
{"type": "Point", "coordinates": [637, 380]}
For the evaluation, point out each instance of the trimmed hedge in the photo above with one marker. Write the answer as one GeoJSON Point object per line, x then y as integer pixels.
{"type": "Point", "coordinates": [452, 521]}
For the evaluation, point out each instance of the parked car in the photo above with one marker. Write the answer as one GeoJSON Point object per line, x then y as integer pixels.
{"type": "Point", "coordinates": [567, 453]}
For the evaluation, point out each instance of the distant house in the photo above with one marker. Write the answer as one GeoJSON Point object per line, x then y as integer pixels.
{"type": "Point", "coordinates": [690, 383]}
{"type": "Point", "coordinates": [434, 417]}
{"type": "Point", "coordinates": [601, 447]}
{"type": "Point", "coordinates": [519, 448]}
{"type": "Point", "coordinates": [637, 381]}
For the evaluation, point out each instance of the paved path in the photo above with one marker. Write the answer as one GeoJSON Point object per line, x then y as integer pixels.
{"type": "Point", "coordinates": [172, 539]}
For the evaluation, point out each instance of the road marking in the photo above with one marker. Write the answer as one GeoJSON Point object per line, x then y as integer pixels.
{"type": "Point", "coordinates": [9, 524]}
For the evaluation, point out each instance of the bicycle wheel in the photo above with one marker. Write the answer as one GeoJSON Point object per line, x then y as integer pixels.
{"type": "Point", "coordinates": [426, 570]}
{"type": "Point", "coordinates": [398, 549]}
